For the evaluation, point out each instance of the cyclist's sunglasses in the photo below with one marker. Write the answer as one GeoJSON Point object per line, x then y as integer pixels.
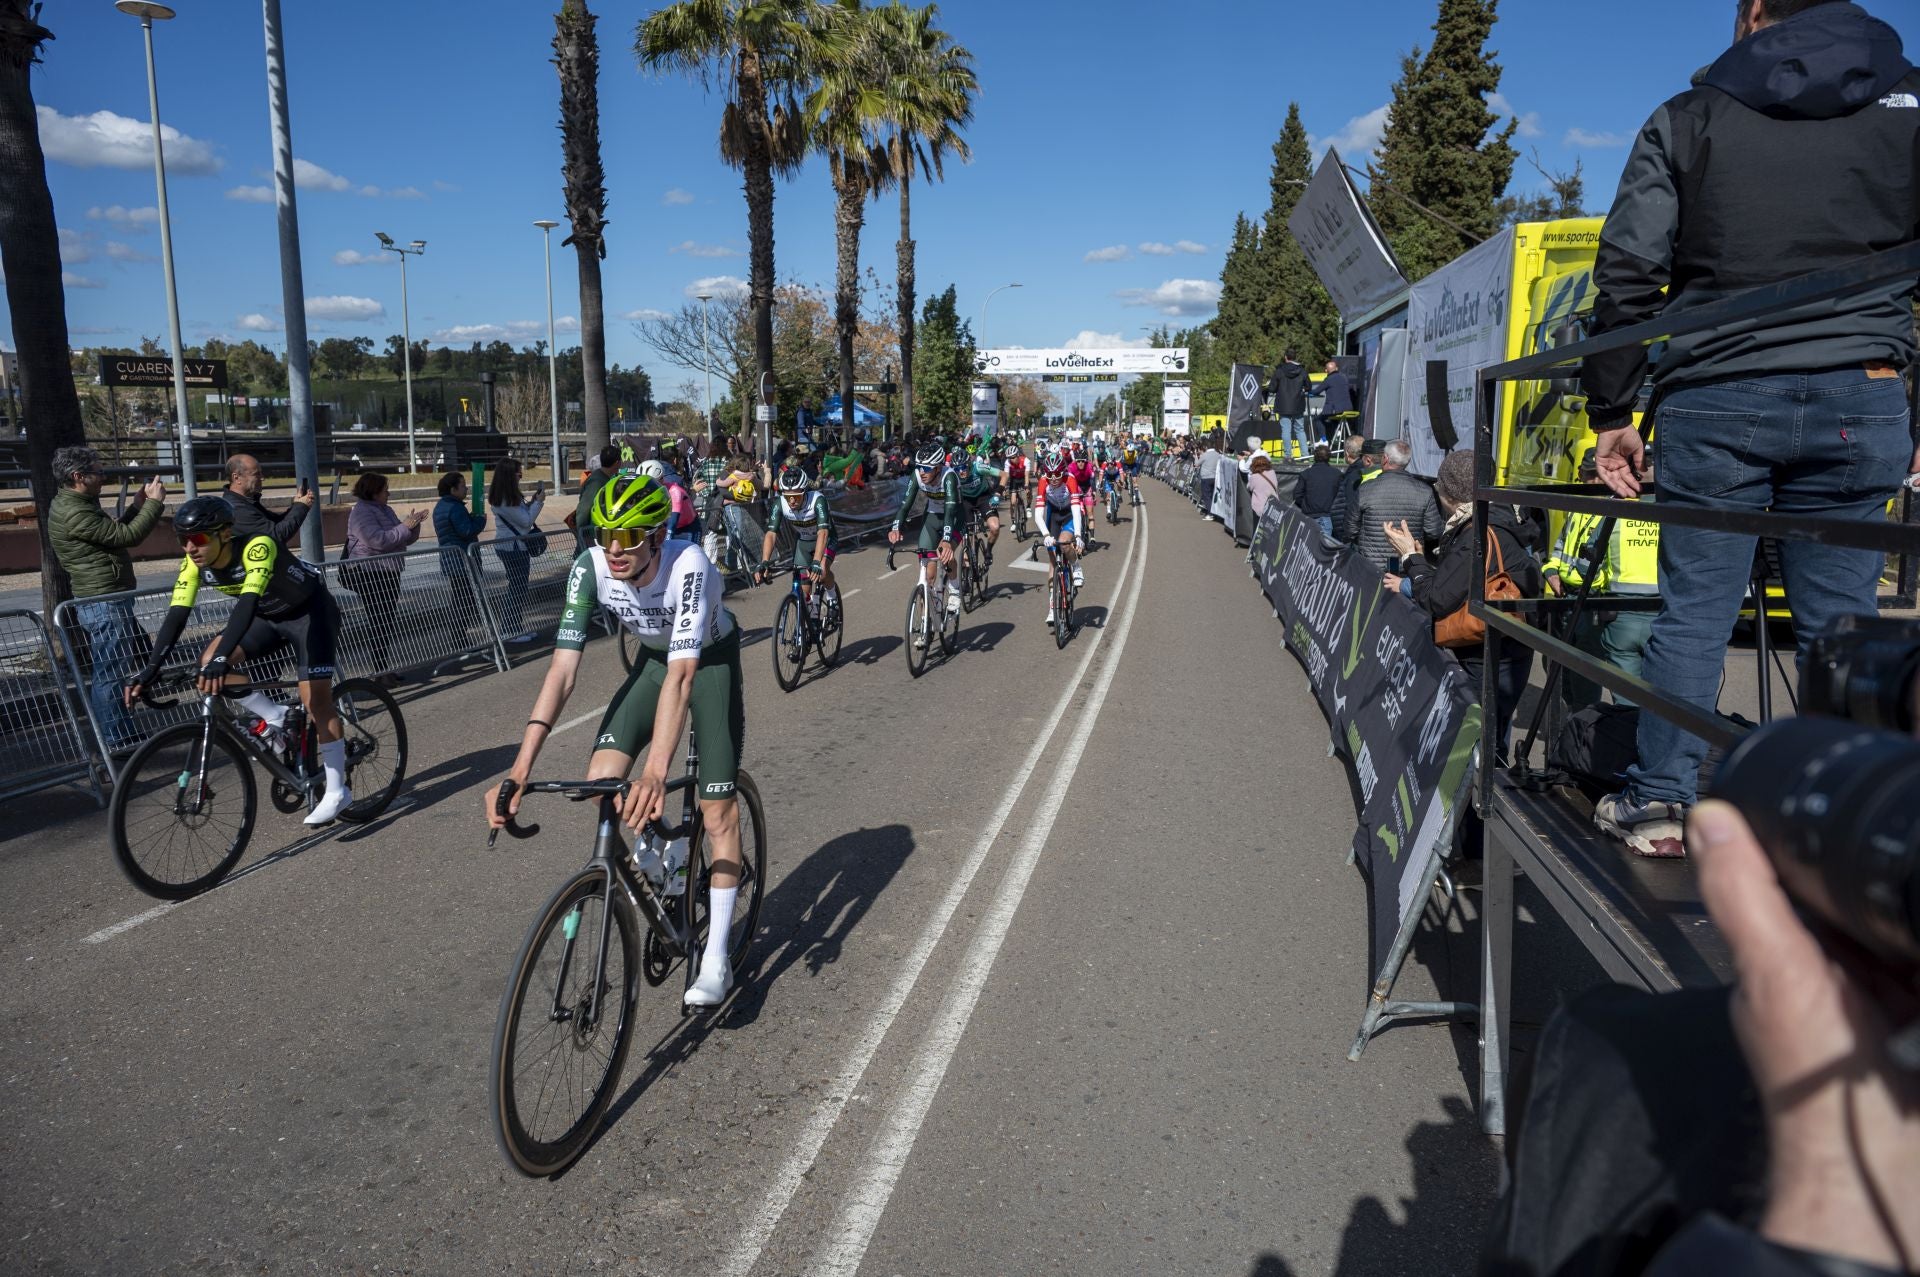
{"type": "Point", "coordinates": [195, 539]}
{"type": "Point", "coordinates": [620, 540]}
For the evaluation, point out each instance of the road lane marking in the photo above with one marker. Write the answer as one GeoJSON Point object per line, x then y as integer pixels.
{"type": "Point", "coordinates": [759, 1225]}
{"type": "Point", "coordinates": [572, 723]}
{"type": "Point", "coordinates": [847, 594]}
{"type": "Point", "coordinates": [847, 1244]}
{"type": "Point", "coordinates": [127, 924]}
{"type": "Point", "coordinates": [896, 572]}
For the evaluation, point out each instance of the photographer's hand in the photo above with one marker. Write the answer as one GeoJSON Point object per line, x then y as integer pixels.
{"type": "Point", "coordinates": [1620, 457]}
{"type": "Point", "coordinates": [1843, 1120]}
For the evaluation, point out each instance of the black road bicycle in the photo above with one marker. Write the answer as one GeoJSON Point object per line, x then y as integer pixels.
{"type": "Point", "coordinates": [567, 1013]}
{"type": "Point", "coordinates": [1019, 517]}
{"type": "Point", "coordinates": [1113, 504]}
{"type": "Point", "coordinates": [184, 806]}
{"type": "Point", "coordinates": [1063, 596]}
{"type": "Point", "coordinates": [972, 563]}
{"type": "Point", "coordinates": [807, 620]}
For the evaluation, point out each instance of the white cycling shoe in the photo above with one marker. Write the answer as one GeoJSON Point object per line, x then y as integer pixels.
{"type": "Point", "coordinates": [1079, 578]}
{"type": "Point", "coordinates": [953, 598]}
{"type": "Point", "coordinates": [331, 805]}
{"type": "Point", "coordinates": [711, 988]}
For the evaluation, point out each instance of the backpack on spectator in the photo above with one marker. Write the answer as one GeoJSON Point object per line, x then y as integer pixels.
{"type": "Point", "coordinates": [1462, 628]}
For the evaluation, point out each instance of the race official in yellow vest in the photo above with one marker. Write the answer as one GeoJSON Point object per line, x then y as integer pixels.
{"type": "Point", "coordinates": [1628, 565]}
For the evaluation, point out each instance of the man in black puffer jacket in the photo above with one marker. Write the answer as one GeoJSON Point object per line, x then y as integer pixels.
{"type": "Point", "coordinates": [1798, 150]}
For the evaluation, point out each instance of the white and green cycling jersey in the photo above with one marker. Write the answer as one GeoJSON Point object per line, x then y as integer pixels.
{"type": "Point", "coordinates": [677, 615]}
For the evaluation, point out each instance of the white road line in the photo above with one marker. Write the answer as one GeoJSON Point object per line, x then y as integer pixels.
{"type": "Point", "coordinates": [757, 1228]}
{"type": "Point", "coordinates": [847, 594]}
{"type": "Point", "coordinates": [107, 933]}
{"type": "Point", "coordinates": [896, 572]}
{"type": "Point", "coordinates": [867, 1201]}
{"type": "Point", "coordinates": [572, 723]}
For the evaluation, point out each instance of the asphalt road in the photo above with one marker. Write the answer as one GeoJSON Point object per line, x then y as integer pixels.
{"type": "Point", "coordinates": [1057, 972]}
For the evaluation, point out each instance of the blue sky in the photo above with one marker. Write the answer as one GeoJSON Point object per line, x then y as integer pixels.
{"type": "Point", "coordinates": [1126, 126]}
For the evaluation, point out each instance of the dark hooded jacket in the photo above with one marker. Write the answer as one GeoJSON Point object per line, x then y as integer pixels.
{"type": "Point", "coordinates": [1798, 150]}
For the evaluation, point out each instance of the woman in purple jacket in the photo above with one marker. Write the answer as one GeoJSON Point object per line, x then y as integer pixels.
{"type": "Point", "coordinates": [372, 529]}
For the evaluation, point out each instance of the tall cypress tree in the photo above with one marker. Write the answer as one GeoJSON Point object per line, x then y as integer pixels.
{"type": "Point", "coordinates": [1240, 325]}
{"type": "Point", "coordinates": [1436, 150]}
{"type": "Point", "coordinates": [1298, 314]}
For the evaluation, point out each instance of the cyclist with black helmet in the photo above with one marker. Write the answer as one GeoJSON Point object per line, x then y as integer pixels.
{"type": "Point", "coordinates": [937, 489]}
{"type": "Point", "coordinates": [666, 593]}
{"type": "Point", "coordinates": [979, 489]}
{"type": "Point", "coordinates": [803, 506]}
{"type": "Point", "coordinates": [279, 600]}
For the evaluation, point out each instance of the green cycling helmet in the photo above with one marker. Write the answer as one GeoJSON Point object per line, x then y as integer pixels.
{"type": "Point", "coordinates": [631, 500]}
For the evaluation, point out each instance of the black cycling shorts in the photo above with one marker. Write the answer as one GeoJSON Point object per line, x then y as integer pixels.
{"type": "Point", "coordinates": [311, 635]}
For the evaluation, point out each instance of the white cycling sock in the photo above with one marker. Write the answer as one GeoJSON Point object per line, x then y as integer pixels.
{"type": "Point", "coordinates": [719, 923]}
{"type": "Point", "coordinates": [265, 708]}
{"type": "Point", "coordinates": [333, 761]}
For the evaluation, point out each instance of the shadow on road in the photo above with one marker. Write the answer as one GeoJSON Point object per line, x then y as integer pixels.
{"type": "Point", "coordinates": [870, 651]}
{"type": "Point", "coordinates": [983, 638]}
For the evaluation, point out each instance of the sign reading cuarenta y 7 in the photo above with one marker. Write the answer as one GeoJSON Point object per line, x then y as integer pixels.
{"type": "Point", "coordinates": [146, 370]}
{"type": "Point", "coordinates": [1131, 359]}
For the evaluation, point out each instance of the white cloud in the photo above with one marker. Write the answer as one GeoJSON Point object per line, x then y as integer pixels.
{"type": "Point", "coordinates": [71, 280]}
{"type": "Point", "coordinates": [1111, 253]}
{"type": "Point", "coordinates": [127, 253]}
{"type": "Point", "coordinates": [126, 219]}
{"type": "Point", "coordinates": [1584, 138]}
{"type": "Point", "coordinates": [691, 249]}
{"type": "Point", "coordinates": [406, 193]}
{"type": "Point", "coordinates": [74, 248]}
{"type": "Point", "coordinates": [1356, 139]}
{"type": "Point", "coordinates": [675, 195]}
{"type": "Point", "coordinates": [354, 257]}
{"type": "Point", "coordinates": [518, 332]}
{"type": "Point", "coordinates": [371, 192]}
{"type": "Point", "coordinates": [256, 323]}
{"type": "Point", "coordinates": [106, 140]}
{"type": "Point", "coordinates": [1529, 120]}
{"type": "Point", "coordinates": [1153, 248]}
{"type": "Point", "coordinates": [718, 286]}
{"type": "Point", "coordinates": [1176, 297]}
{"type": "Point", "coordinates": [1189, 246]}
{"type": "Point", "coordinates": [645, 313]}
{"type": "Point", "coordinates": [439, 185]}
{"type": "Point", "coordinates": [344, 308]}
{"type": "Point", "coordinates": [1087, 339]}
{"type": "Point", "coordinates": [308, 176]}
{"type": "Point", "coordinates": [252, 194]}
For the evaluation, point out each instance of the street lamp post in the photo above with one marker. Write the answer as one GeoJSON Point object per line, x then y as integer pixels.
{"type": "Point", "coordinates": [415, 248]}
{"type": "Point", "coordinates": [983, 311]}
{"type": "Point", "coordinates": [148, 13]}
{"type": "Point", "coordinates": [706, 356]}
{"type": "Point", "coordinates": [546, 226]}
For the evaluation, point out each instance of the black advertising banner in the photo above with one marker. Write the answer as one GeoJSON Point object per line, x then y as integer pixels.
{"type": "Point", "coordinates": [1400, 708]}
{"type": "Point", "coordinates": [1244, 389]}
{"type": "Point", "coordinates": [150, 370]}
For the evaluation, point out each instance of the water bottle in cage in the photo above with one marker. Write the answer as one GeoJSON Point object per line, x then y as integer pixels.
{"type": "Point", "coordinates": [272, 738]}
{"type": "Point", "coordinates": [293, 737]}
{"type": "Point", "coordinates": [646, 859]}
{"type": "Point", "coordinates": [674, 866]}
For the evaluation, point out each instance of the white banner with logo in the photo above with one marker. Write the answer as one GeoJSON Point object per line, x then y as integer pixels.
{"type": "Point", "coordinates": [986, 409]}
{"type": "Point", "coordinates": [1022, 362]}
{"type": "Point", "coordinates": [1342, 242]}
{"type": "Point", "coordinates": [1459, 314]}
{"type": "Point", "coordinates": [1177, 396]}
{"type": "Point", "coordinates": [1226, 490]}
{"type": "Point", "coordinates": [1178, 423]}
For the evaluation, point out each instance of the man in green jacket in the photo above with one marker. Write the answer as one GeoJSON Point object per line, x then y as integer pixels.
{"type": "Point", "coordinates": [92, 547]}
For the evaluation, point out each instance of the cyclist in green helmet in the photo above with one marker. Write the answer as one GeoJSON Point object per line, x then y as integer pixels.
{"type": "Point", "coordinates": [666, 593]}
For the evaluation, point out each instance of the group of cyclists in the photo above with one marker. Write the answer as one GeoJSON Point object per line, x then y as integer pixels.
{"type": "Point", "coordinates": [665, 592]}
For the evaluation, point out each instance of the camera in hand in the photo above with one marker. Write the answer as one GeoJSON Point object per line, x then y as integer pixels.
{"type": "Point", "coordinates": [1833, 796]}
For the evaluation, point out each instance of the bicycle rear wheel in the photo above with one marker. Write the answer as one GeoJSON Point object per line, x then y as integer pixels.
{"type": "Point", "coordinates": [555, 1064]}
{"type": "Point", "coordinates": [1062, 607]}
{"type": "Point", "coordinates": [376, 737]}
{"type": "Point", "coordinates": [917, 627]}
{"type": "Point", "coordinates": [833, 613]}
{"type": "Point", "coordinates": [968, 565]}
{"type": "Point", "coordinates": [629, 647]}
{"type": "Point", "coordinates": [789, 644]}
{"type": "Point", "coordinates": [753, 879]}
{"type": "Point", "coordinates": [176, 831]}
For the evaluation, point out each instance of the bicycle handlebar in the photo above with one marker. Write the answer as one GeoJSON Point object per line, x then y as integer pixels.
{"type": "Point", "coordinates": [579, 791]}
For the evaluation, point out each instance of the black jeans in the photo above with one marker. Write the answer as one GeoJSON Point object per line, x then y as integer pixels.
{"type": "Point", "coordinates": [1510, 684]}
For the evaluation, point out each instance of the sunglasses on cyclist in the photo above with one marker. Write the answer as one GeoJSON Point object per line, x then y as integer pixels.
{"type": "Point", "coordinates": [620, 540]}
{"type": "Point", "coordinates": [195, 540]}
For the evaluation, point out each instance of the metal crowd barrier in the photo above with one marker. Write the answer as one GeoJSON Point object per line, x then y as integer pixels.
{"type": "Point", "coordinates": [41, 742]}
{"type": "Point", "coordinates": [1642, 920]}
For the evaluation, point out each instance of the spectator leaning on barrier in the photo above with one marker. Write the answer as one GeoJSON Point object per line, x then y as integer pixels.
{"type": "Point", "coordinates": [1319, 489]}
{"type": "Point", "coordinates": [457, 528]}
{"type": "Point", "coordinates": [1288, 388]}
{"type": "Point", "coordinates": [91, 547]}
{"type": "Point", "coordinates": [1795, 152]}
{"type": "Point", "coordinates": [1441, 583]}
{"type": "Point", "coordinates": [1263, 487]}
{"type": "Point", "coordinates": [251, 518]}
{"type": "Point", "coordinates": [516, 539]}
{"type": "Point", "coordinates": [1390, 495]}
{"type": "Point", "coordinates": [373, 529]}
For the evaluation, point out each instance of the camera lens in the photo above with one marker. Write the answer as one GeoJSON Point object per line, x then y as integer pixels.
{"type": "Point", "coordinates": [1834, 805]}
{"type": "Point", "coordinates": [1866, 669]}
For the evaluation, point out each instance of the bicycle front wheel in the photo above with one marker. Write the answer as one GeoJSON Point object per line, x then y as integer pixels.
{"type": "Point", "coordinates": [917, 631]}
{"type": "Point", "coordinates": [376, 737]}
{"type": "Point", "coordinates": [789, 644]}
{"type": "Point", "coordinates": [556, 1060]}
{"type": "Point", "coordinates": [1062, 608]}
{"type": "Point", "coordinates": [182, 811]}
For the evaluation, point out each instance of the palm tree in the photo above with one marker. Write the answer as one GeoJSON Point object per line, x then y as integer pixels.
{"type": "Point", "coordinates": [928, 98]}
{"type": "Point", "coordinates": [576, 52]}
{"type": "Point", "coordinates": [842, 114]}
{"type": "Point", "coordinates": [36, 299]}
{"type": "Point", "coordinates": [756, 51]}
